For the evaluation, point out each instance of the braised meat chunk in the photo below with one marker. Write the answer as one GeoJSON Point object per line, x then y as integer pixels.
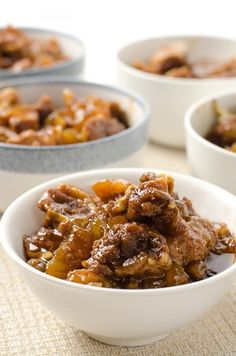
{"type": "Point", "coordinates": [193, 242]}
{"type": "Point", "coordinates": [129, 236]}
{"type": "Point", "coordinates": [129, 249]}
{"type": "Point", "coordinates": [44, 240]}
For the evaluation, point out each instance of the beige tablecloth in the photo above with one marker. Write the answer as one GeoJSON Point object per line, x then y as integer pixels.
{"type": "Point", "coordinates": [27, 328]}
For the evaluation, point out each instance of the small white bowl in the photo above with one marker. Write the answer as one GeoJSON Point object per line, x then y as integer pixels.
{"type": "Point", "coordinates": [207, 160]}
{"type": "Point", "coordinates": [113, 316]}
{"type": "Point", "coordinates": [71, 47]}
{"type": "Point", "coordinates": [169, 97]}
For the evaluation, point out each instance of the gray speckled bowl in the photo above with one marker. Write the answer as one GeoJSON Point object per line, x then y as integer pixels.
{"type": "Point", "coordinates": [71, 46]}
{"type": "Point", "coordinates": [22, 167]}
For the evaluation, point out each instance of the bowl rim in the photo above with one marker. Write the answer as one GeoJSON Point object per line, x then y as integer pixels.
{"type": "Point", "coordinates": [189, 115]}
{"type": "Point", "coordinates": [67, 80]}
{"type": "Point", "coordinates": [39, 71]}
{"type": "Point", "coordinates": [171, 80]}
{"type": "Point", "coordinates": [122, 292]}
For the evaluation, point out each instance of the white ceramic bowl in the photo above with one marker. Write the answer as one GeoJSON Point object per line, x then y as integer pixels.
{"type": "Point", "coordinates": [71, 46]}
{"type": "Point", "coordinates": [207, 160]}
{"type": "Point", "coordinates": [113, 316]}
{"type": "Point", "coordinates": [23, 167]}
{"type": "Point", "coordinates": [169, 97]}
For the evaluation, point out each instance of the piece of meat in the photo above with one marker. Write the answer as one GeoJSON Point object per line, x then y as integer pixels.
{"type": "Point", "coordinates": [144, 264]}
{"type": "Point", "coordinates": [169, 57]}
{"type": "Point", "coordinates": [44, 106]}
{"type": "Point", "coordinates": [119, 114]}
{"type": "Point", "coordinates": [67, 200]}
{"type": "Point", "coordinates": [129, 249]}
{"type": "Point", "coordinates": [194, 242]}
{"type": "Point", "coordinates": [43, 240]}
{"type": "Point", "coordinates": [147, 200]}
{"type": "Point", "coordinates": [99, 126]}
{"type": "Point", "coordinates": [163, 181]}
{"type": "Point", "coordinates": [152, 200]}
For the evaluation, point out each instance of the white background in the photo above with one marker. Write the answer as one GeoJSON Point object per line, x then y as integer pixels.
{"type": "Point", "coordinates": [105, 25]}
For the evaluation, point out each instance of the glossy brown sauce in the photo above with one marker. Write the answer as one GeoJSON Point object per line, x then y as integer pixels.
{"type": "Point", "coordinates": [218, 263]}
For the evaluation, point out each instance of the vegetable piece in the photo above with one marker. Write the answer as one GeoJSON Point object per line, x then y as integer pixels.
{"type": "Point", "coordinates": [84, 276]}
{"type": "Point", "coordinates": [70, 253]}
{"type": "Point", "coordinates": [107, 188]}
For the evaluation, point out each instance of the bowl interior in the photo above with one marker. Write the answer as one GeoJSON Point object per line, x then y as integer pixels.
{"type": "Point", "coordinates": [199, 48]}
{"type": "Point", "coordinates": [31, 91]}
{"type": "Point", "coordinates": [71, 47]}
{"type": "Point", "coordinates": [203, 116]}
{"type": "Point", "coordinates": [23, 216]}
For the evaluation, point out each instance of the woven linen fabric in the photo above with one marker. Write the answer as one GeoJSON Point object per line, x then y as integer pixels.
{"type": "Point", "coordinates": [28, 329]}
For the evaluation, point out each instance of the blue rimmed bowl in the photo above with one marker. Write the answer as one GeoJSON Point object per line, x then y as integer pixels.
{"type": "Point", "coordinates": [71, 46]}
{"type": "Point", "coordinates": [22, 167]}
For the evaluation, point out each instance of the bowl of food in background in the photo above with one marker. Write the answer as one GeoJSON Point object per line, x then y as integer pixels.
{"type": "Point", "coordinates": [210, 126]}
{"type": "Point", "coordinates": [172, 73]}
{"type": "Point", "coordinates": [125, 251]}
{"type": "Point", "coordinates": [53, 126]}
{"type": "Point", "coordinates": [34, 51]}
